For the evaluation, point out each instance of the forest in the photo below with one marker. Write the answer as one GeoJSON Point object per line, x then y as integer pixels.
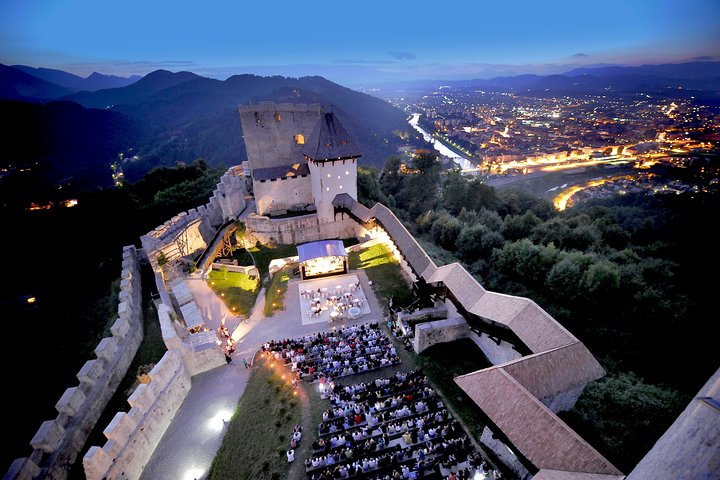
{"type": "Point", "coordinates": [632, 277]}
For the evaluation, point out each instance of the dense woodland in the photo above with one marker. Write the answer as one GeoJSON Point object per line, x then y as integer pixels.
{"type": "Point", "coordinates": [632, 277]}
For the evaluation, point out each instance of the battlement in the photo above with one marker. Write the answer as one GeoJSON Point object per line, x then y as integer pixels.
{"type": "Point", "coordinates": [57, 442]}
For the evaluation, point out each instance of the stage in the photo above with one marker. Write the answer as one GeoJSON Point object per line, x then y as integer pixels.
{"type": "Point", "coordinates": [332, 299]}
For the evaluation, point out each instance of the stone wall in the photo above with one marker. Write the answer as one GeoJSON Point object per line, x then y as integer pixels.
{"type": "Point", "coordinates": [191, 231]}
{"type": "Point", "coordinates": [564, 401]}
{"type": "Point", "coordinates": [133, 436]}
{"type": "Point", "coordinates": [504, 453]}
{"type": "Point", "coordinates": [251, 270]}
{"type": "Point", "coordinates": [200, 351]}
{"type": "Point", "coordinates": [58, 442]}
{"type": "Point", "coordinates": [496, 351]}
{"type": "Point", "coordinates": [297, 230]}
{"type": "Point", "coordinates": [282, 194]}
{"type": "Point", "coordinates": [440, 331]}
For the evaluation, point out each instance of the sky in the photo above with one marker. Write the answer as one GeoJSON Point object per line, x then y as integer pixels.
{"type": "Point", "coordinates": [354, 43]}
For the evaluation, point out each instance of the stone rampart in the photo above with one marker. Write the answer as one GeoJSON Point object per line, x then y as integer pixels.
{"type": "Point", "coordinates": [441, 331]}
{"type": "Point", "coordinates": [58, 442]}
{"type": "Point", "coordinates": [295, 230]}
{"type": "Point", "coordinates": [200, 351]}
{"type": "Point", "coordinates": [191, 231]}
{"type": "Point", "coordinates": [133, 436]}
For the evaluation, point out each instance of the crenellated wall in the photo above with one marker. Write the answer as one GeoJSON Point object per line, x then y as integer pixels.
{"type": "Point", "coordinates": [191, 231]}
{"type": "Point", "coordinates": [133, 436]}
{"type": "Point", "coordinates": [58, 442]}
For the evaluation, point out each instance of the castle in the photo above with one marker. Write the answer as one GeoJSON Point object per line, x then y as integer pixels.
{"type": "Point", "coordinates": [302, 161]}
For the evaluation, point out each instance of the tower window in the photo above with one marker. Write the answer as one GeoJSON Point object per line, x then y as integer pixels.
{"type": "Point", "coordinates": [278, 117]}
{"type": "Point", "coordinates": [347, 172]}
{"type": "Point", "coordinates": [299, 139]}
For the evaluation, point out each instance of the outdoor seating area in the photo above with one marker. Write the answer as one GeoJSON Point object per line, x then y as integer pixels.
{"type": "Point", "coordinates": [394, 427]}
{"type": "Point", "coordinates": [332, 299]}
{"type": "Point", "coordinates": [344, 351]}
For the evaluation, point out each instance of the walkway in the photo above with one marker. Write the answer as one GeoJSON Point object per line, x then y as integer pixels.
{"type": "Point", "coordinates": [189, 445]}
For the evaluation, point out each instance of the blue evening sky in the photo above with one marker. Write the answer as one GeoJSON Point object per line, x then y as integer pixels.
{"type": "Point", "coordinates": [354, 43]}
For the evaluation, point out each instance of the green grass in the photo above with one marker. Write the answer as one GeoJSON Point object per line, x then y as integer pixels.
{"type": "Point", "coordinates": [275, 291]}
{"type": "Point", "coordinates": [259, 433]}
{"type": "Point", "coordinates": [237, 290]}
{"type": "Point", "coordinates": [263, 255]}
{"type": "Point", "coordinates": [384, 271]}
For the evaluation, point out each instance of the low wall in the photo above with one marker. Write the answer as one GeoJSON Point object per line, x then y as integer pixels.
{"type": "Point", "coordinates": [441, 331]}
{"type": "Point", "coordinates": [58, 442]}
{"type": "Point", "coordinates": [497, 351]}
{"type": "Point", "coordinates": [251, 270]}
{"type": "Point", "coordinates": [133, 436]}
{"type": "Point", "coordinates": [200, 351]}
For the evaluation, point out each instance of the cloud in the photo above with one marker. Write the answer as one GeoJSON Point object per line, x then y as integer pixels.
{"type": "Point", "coordinates": [402, 55]}
{"type": "Point", "coordinates": [357, 61]}
{"type": "Point", "coordinates": [580, 55]}
{"type": "Point", "coordinates": [704, 58]}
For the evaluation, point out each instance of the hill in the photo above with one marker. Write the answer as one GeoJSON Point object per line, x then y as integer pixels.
{"type": "Point", "coordinates": [185, 116]}
{"type": "Point", "coordinates": [18, 85]}
{"type": "Point", "coordinates": [96, 81]}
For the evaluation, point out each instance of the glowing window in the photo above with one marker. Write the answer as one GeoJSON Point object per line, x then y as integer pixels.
{"type": "Point", "coordinates": [327, 189]}
{"type": "Point", "coordinates": [340, 187]}
{"type": "Point", "coordinates": [328, 175]}
{"type": "Point", "coordinates": [347, 172]}
{"type": "Point", "coordinates": [299, 139]}
{"type": "Point", "coordinates": [338, 177]}
{"type": "Point", "coordinates": [278, 117]}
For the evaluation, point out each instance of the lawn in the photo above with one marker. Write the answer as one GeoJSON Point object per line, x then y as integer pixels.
{"type": "Point", "coordinates": [238, 290]}
{"type": "Point", "coordinates": [259, 432]}
{"type": "Point", "coordinates": [275, 291]}
{"type": "Point", "coordinates": [384, 271]}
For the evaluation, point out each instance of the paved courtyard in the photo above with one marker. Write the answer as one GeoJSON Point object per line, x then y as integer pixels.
{"type": "Point", "coordinates": [189, 445]}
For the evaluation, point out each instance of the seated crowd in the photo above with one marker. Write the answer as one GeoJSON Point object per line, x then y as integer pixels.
{"type": "Point", "coordinates": [392, 428]}
{"type": "Point", "coordinates": [345, 351]}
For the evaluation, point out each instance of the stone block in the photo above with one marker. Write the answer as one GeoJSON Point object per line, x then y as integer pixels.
{"type": "Point", "coordinates": [124, 310]}
{"type": "Point", "coordinates": [141, 398]}
{"type": "Point", "coordinates": [71, 401]}
{"type": "Point", "coordinates": [96, 463]}
{"type": "Point", "coordinates": [48, 437]}
{"type": "Point", "coordinates": [107, 348]}
{"type": "Point", "coordinates": [120, 328]}
{"type": "Point", "coordinates": [22, 469]}
{"type": "Point", "coordinates": [120, 428]}
{"type": "Point", "coordinates": [90, 372]}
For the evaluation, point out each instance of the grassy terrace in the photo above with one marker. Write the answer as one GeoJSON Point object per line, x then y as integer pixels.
{"type": "Point", "coordinates": [260, 430]}
{"type": "Point", "coordinates": [383, 270]}
{"type": "Point", "coordinates": [238, 290]}
{"type": "Point", "coordinates": [275, 291]}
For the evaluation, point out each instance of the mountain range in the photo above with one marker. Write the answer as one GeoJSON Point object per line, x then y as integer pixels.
{"type": "Point", "coordinates": [71, 127]}
{"type": "Point", "coordinates": [702, 79]}
{"type": "Point", "coordinates": [166, 118]}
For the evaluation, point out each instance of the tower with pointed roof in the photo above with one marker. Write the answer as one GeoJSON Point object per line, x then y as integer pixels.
{"type": "Point", "coordinates": [332, 160]}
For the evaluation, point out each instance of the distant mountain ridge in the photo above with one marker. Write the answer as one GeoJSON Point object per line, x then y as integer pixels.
{"type": "Point", "coordinates": [177, 117]}
{"type": "Point", "coordinates": [96, 81]}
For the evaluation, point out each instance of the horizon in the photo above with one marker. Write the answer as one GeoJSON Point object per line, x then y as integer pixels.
{"type": "Point", "coordinates": [356, 46]}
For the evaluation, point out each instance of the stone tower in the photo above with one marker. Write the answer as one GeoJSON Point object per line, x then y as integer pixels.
{"type": "Point", "coordinates": [332, 158]}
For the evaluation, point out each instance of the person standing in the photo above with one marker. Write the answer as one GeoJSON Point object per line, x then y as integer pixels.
{"type": "Point", "coordinates": [228, 359]}
{"type": "Point", "coordinates": [245, 362]}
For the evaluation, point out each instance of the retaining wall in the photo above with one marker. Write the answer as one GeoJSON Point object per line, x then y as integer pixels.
{"type": "Point", "coordinates": [58, 442]}
{"type": "Point", "coordinates": [430, 333]}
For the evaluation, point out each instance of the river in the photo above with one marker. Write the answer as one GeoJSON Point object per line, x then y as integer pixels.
{"type": "Point", "coordinates": [464, 163]}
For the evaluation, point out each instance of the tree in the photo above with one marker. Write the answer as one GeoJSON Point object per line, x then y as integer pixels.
{"type": "Point", "coordinates": [391, 180]}
{"type": "Point", "coordinates": [445, 230]}
{"type": "Point", "coordinates": [369, 190]}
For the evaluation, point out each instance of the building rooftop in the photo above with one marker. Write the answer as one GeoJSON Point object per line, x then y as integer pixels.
{"type": "Point", "coordinates": [330, 141]}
